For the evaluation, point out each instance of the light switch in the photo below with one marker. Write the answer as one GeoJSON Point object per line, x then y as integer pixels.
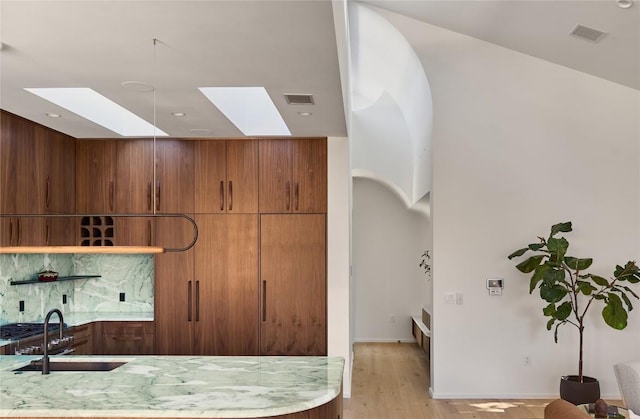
{"type": "Point", "coordinates": [459, 298]}
{"type": "Point", "coordinates": [449, 297]}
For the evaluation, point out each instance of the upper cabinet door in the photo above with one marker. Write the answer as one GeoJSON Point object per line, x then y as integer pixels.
{"type": "Point", "coordinates": [310, 176]}
{"type": "Point", "coordinates": [242, 176]}
{"type": "Point", "coordinates": [23, 177]}
{"type": "Point", "coordinates": [60, 169]}
{"type": "Point", "coordinates": [134, 176]}
{"type": "Point", "coordinates": [95, 176]}
{"type": "Point", "coordinates": [275, 176]}
{"type": "Point", "coordinates": [174, 177]}
{"type": "Point", "coordinates": [226, 176]}
{"type": "Point", "coordinates": [293, 176]}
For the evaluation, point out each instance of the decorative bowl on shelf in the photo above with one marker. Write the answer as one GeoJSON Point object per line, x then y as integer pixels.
{"type": "Point", "coordinates": [47, 276]}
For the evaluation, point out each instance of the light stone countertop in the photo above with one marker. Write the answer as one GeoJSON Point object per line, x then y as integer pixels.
{"type": "Point", "coordinates": [172, 386]}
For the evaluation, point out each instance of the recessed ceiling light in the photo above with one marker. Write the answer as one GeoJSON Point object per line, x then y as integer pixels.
{"type": "Point", "coordinates": [178, 114]}
{"type": "Point", "coordinates": [53, 115]}
{"type": "Point", "coordinates": [91, 105]}
{"type": "Point", "coordinates": [138, 86]}
{"type": "Point", "coordinates": [624, 4]}
{"type": "Point", "coordinates": [249, 108]}
{"type": "Point", "coordinates": [305, 113]}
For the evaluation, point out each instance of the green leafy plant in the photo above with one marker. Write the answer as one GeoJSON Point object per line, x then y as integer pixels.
{"type": "Point", "coordinates": [570, 291]}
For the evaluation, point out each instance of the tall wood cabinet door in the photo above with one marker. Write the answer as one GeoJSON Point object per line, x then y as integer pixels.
{"type": "Point", "coordinates": [310, 176]}
{"type": "Point", "coordinates": [95, 176]}
{"type": "Point", "coordinates": [293, 284]}
{"type": "Point", "coordinates": [210, 177]}
{"type": "Point", "coordinates": [60, 185]}
{"type": "Point", "coordinates": [275, 195]}
{"type": "Point", "coordinates": [242, 176]}
{"type": "Point", "coordinates": [134, 192]}
{"type": "Point", "coordinates": [174, 176]}
{"type": "Point", "coordinates": [174, 289]}
{"type": "Point", "coordinates": [22, 188]}
{"type": "Point", "coordinates": [226, 260]}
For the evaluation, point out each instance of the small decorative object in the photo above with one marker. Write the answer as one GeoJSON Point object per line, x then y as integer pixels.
{"type": "Point", "coordinates": [570, 291]}
{"type": "Point", "coordinates": [425, 264]}
{"type": "Point", "coordinates": [601, 409]}
{"type": "Point", "coordinates": [47, 276]}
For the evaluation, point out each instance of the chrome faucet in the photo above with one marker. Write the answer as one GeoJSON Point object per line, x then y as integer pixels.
{"type": "Point", "coordinates": [45, 357]}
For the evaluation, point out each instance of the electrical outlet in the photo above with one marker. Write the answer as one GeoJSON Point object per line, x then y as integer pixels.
{"type": "Point", "coordinates": [64, 298]}
{"type": "Point", "coordinates": [21, 305]}
{"type": "Point", "coordinates": [122, 297]}
{"type": "Point", "coordinates": [459, 298]}
{"type": "Point", "coordinates": [393, 318]}
{"type": "Point", "coordinates": [527, 360]}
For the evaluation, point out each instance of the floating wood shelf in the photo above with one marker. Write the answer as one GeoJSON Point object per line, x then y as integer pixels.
{"type": "Point", "coordinates": [129, 250]}
{"type": "Point", "coordinates": [60, 278]}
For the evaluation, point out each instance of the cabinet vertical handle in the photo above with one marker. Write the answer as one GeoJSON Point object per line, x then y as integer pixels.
{"type": "Point", "coordinates": [47, 192]}
{"type": "Point", "coordinates": [230, 195]}
{"type": "Point", "coordinates": [189, 301]}
{"type": "Point", "coordinates": [158, 201]}
{"type": "Point", "coordinates": [18, 231]}
{"type": "Point", "coordinates": [222, 195]}
{"type": "Point", "coordinates": [11, 230]}
{"type": "Point", "coordinates": [149, 233]}
{"type": "Point", "coordinates": [46, 232]}
{"type": "Point", "coordinates": [149, 195]}
{"type": "Point", "coordinates": [197, 301]}
{"type": "Point", "coordinates": [287, 187]}
{"type": "Point", "coordinates": [264, 301]}
{"type": "Point", "coordinates": [297, 196]}
{"type": "Point", "coordinates": [111, 193]}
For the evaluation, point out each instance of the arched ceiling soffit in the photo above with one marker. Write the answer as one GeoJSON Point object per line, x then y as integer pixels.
{"type": "Point", "coordinates": [391, 102]}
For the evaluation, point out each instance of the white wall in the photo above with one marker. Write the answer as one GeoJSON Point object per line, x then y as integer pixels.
{"type": "Point", "coordinates": [338, 257]}
{"type": "Point", "coordinates": [388, 240]}
{"type": "Point", "coordinates": [520, 144]}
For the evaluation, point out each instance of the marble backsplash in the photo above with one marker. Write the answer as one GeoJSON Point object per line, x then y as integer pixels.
{"type": "Point", "coordinates": [129, 274]}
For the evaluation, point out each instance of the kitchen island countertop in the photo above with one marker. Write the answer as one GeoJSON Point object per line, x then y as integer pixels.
{"type": "Point", "coordinates": [172, 386]}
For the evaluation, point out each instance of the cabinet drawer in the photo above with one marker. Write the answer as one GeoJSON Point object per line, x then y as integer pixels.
{"type": "Point", "coordinates": [127, 328]}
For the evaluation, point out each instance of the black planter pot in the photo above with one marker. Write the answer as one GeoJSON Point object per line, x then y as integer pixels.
{"type": "Point", "coordinates": [576, 392]}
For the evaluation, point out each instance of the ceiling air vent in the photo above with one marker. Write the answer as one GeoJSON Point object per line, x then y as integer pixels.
{"type": "Point", "coordinates": [590, 34]}
{"type": "Point", "coordinates": [299, 99]}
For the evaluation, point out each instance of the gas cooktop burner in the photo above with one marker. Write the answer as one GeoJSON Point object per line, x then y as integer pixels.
{"type": "Point", "coordinates": [16, 331]}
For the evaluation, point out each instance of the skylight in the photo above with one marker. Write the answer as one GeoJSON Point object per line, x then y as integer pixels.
{"type": "Point", "coordinates": [91, 105]}
{"type": "Point", "coordinates": [249, 108]}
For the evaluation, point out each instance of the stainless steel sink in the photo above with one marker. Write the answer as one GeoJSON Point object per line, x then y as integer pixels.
{"type": "Point", "coordinates": [72, 366]}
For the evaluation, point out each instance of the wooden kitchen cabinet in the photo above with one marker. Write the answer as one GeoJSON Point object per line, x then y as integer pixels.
{"type": "Point", "coordinates": [293, 284]}
{"type": "Point", "coordinates": [226, 176]}
{"type": "Point", "coordinates": [174, 190]}
{"type": "Point", "coordinates": [37, 170]}
{"type": "Point", "coordinates": [226, 285]}
{"type": "Point", "coordinates": [206, 299]}
{"type": "Point", "coordinates": [293, 176]}
{"type": "Point", "coordinates": [83, 340]}
{"type": "Point", "coordinates": [134, 192]}
{"type": "Point", "coordinates": [95, 176]}
{"type": "Point", "coordinates": [124, 338]}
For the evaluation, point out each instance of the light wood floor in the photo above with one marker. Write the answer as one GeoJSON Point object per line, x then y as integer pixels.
{"type": "Point", "coordinates": [391, 381]}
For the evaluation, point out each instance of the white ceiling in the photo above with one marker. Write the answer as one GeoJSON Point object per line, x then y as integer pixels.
{"type": "Point", "coordinates": [541, 28]}
{"type": "Point", "coordinates": [285, 46]}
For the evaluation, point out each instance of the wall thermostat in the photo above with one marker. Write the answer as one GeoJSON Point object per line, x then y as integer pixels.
{"type": "Point", "coordinates": [495, 286]}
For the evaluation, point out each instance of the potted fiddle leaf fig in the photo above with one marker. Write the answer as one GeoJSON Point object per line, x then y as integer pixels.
{"type": "Point", "coordinates": [569, 291]}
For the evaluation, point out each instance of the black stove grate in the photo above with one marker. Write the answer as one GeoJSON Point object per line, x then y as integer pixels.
{"type": "Point", "coordinates": [16, 331]}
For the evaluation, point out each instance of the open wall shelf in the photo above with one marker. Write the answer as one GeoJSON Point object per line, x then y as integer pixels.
{"type": "Point", "coordinates": [60, 278]}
